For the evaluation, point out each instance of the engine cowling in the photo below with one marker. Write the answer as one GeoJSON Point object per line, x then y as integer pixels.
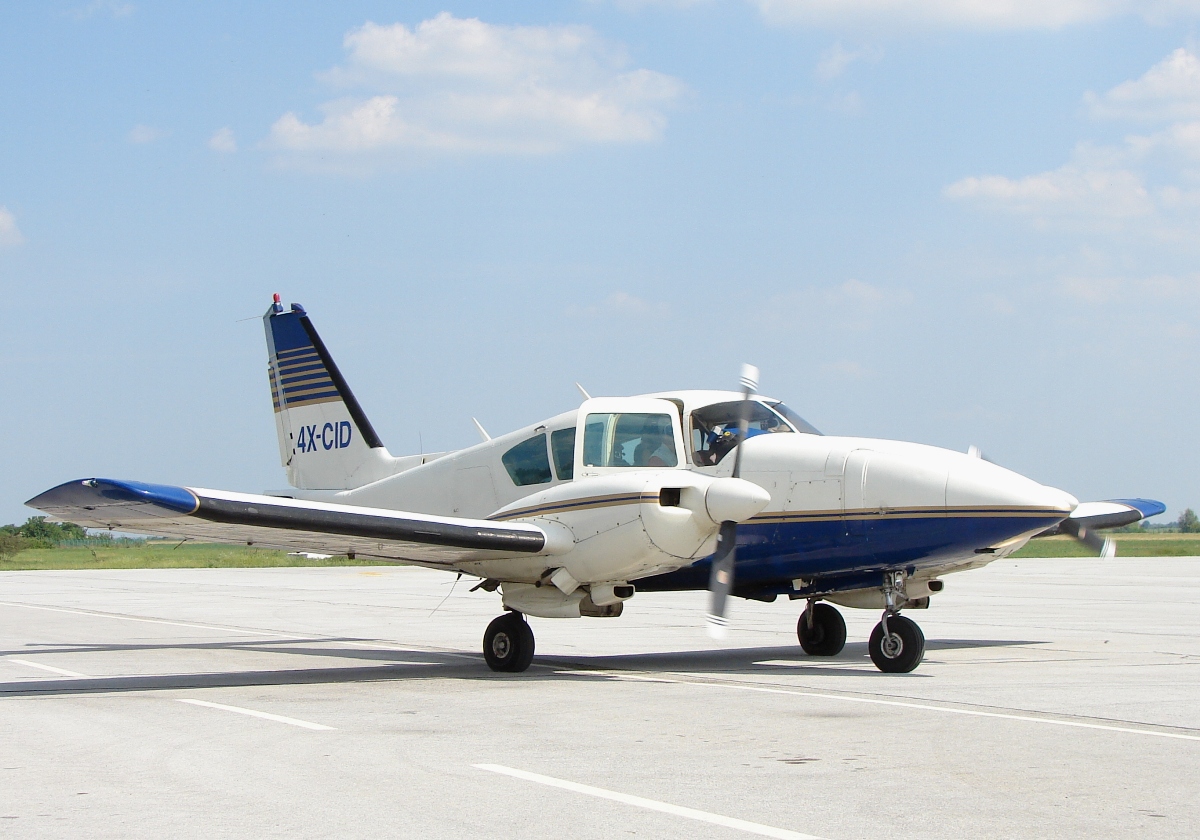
{"type": "Point", "coordinates": [629, 526]}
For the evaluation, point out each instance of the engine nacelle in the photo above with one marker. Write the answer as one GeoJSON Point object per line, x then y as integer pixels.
{"type": "Point", "coordinates": [551, 602]}
{"type": "Point", "coordinates": [623, 527]}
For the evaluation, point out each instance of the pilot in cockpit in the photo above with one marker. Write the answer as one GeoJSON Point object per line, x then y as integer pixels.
{"type": "Point", "coordinates": [715, 427]}
{"type": "Point", "coordinates": [656, 448]}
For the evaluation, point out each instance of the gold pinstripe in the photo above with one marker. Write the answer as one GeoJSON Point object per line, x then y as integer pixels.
{"type": "Point", "coordinates": [770, 517]}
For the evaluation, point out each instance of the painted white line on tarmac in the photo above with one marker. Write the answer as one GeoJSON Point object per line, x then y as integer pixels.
{"type": "Point", "coordinates": [926, 707]}
{"type": "Point", "coordinates": [605, 673]}
{"type": "Point", "coordinates": [788, 663]}
{"type": "Point", "coordinates": [62, 672]}
{"type": "Point", "coordinates": [1128, 730]}
{"type": "Point", "coordinates": [152, 620]}
{"type": "Point", "coordinates": [304, 724]}
{"type": "Point", "coordinates": [650, 804]}
{"type": "Point", "coordinates": [392, 662]}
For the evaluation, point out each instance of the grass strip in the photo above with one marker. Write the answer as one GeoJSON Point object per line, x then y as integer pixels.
{"type": "Point", "coordinates": [165, 555]}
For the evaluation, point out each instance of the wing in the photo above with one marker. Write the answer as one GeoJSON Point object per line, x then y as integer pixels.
{"type": "Point", "coordinates": [1090, 517]}
{"type": "Point", "coordinates": [290, 524]}
{"type": "Point", "coordinates": [1115, 513]}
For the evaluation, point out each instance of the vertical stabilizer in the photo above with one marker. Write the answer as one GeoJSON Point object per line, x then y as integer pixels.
{"type": "Point", "coordinates": [325, 439]}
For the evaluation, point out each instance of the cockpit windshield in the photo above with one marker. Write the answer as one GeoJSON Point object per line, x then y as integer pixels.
{"type": "Point", "coordinates": [798, 423]}
{"type": "Point", "coordinates": [714, 427]}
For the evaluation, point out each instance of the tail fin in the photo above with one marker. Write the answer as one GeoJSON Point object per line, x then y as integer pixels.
{"type": "Point", "coordinates": [325, 439]}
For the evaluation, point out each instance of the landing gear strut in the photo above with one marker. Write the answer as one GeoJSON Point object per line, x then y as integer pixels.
{"type": "Point", "coordinates": [897, 644]}
{"type": "Point", "coordinates": [821, 630]}
{"type": "Point", "coordinates": [508, 643]}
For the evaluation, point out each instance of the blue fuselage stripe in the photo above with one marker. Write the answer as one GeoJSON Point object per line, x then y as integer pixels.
{"type": "Point", "coordinates": [772, 554]}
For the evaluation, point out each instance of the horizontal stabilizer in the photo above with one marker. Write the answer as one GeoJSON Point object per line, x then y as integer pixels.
{"type": "Point", "coordinates": [288, 524]}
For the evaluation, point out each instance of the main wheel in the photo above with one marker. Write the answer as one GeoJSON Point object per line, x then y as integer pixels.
{"type": "Point", "coordinates": [508, 643]}
{"type": "Point", "coordinates": [827, 636]}
{"type": "Point", "coordinates": [903, 648]}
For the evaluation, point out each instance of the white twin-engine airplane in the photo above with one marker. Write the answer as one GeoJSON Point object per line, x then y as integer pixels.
{"type": "Point", "coordinates": [681, 490]}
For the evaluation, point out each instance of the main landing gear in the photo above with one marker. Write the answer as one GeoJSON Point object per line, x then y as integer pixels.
{"type": "Point", "coordinates": [508, 643]}
{"type": "Point", "coordinates": [822, 630]}
{"type": "Point", "coordinates": [897, 644]}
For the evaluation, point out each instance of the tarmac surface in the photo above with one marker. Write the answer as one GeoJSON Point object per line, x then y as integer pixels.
{"type": "Point", "coordinates": [1058, 698]}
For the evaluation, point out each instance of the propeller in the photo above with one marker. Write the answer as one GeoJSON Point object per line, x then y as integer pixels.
{"type": "Point", "coordinates": [720, 582]}
{"type": "Point", "coordinates": [1102, 545]}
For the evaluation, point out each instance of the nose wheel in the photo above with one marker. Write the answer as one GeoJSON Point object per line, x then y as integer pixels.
{"type": "Point", "coordinates": [821, 630]}
{"type": "Point", "coordinates": [897, 644]}
{"type": "Point", "coordinates": [508, 643]}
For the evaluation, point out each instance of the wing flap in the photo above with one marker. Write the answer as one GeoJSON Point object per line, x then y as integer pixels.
{"type": "Point", "coordinates": [269, 521]}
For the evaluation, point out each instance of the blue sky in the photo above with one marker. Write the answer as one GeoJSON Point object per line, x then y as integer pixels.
{"type": "Point", "coordinates": [950, 222]}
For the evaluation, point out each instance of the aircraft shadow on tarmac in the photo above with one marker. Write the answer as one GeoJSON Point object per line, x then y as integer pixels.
{"type": "Point", "coordinates": [762, 660]}
{"type": "Point", "coordinates": [425, 665]}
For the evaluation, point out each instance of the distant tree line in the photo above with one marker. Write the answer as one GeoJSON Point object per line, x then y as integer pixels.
{"type": "Point", "coordinates": [38, 533]}
{"type": "Point", "coordinates": [1188, 522]}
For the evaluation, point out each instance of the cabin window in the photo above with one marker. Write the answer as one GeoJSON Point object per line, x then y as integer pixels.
{"type": "Point", "coordinates": [629, 440]}
{"type": "Point", "coordinates": [527, 462]}
{"type": "Point", "coordinates": [562, 444]}
{"type": "Point", "coordinates": [715, 427]}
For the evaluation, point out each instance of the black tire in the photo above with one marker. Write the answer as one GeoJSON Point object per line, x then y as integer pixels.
{"type": "Point", "coordinates": [508, 643]}
{"type": "Point", "coordinates": [827, 636]}
{"type": "Point", "coordinates": [905, 650]}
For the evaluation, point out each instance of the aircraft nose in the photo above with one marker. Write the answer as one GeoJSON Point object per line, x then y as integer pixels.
{"type": "Point", "coordinates": [974, 483]}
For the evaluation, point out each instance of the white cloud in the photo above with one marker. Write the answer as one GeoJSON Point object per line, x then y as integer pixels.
{"type": "Point", "coordinates": [10, 235]}
{"type": "Point", "coordinates": [1101, 289]}
{"type": "Point", "coordinates": [141, 134]}
{"type": "Point", "coordinates": [1103, 187]}
{"type": "Point", "coordinates": [1068, 190]}
{"type": "Point", "coordinates": [860, 294]}
{"type": "Point", "coordinates": [1168, 90]}
{"type": "Point", "coordinates": [844, 369]}
{"type": "Point", "coordinates": [223, 141]}
{"type": "Point", "coordinates": [107, 8]}
{"type": "Point", "coordinates": [462, 85]}
{"type": "Point", "coordinates": [836, 59]}
{"type": "Point", "coordinates": [638, 5]}
{"type": "Point", "coordinates": [999, 305]}
{"type": "Point", "coordinates": [966, 14]}
{"type": "Point", "coordinates": [850, 307]}
{"type": "Point", "coordinates": [1092, 290]}
{"type": "Point", "coordinates": [622, 304]}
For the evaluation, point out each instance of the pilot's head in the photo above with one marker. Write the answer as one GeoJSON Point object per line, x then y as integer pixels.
{"type": "Point", "coordinates": [656, 432]}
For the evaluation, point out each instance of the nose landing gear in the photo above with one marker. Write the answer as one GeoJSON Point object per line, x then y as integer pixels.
{"type": "Point", "coordinates": [508, 643]}
{"type": "Point", "coordinates": [897, 644]}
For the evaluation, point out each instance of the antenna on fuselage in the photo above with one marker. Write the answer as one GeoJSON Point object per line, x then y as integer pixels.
{"type": "Point", "coordinates": [482, 431]}
{"type": "Point", "coordinates": [583, 391]}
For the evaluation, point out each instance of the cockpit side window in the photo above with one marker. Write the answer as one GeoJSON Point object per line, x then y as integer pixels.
{"type": "Point", "coordinates": [527, 462]}
{"type": "Point", "coordinates": [629, 440]}
{"type": "Point", "coordinates": [715, 427]}
{"type": "Point", "coordinates": [562, 444]}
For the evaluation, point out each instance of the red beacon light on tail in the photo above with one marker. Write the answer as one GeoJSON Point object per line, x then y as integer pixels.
{"type": "Point", "coordinates": [276, 302]}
